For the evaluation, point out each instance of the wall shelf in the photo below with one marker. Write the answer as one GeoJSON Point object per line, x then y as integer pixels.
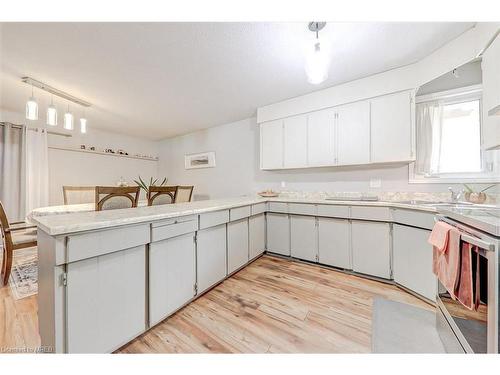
{"type": "Point", "coordinates": [103, 153]}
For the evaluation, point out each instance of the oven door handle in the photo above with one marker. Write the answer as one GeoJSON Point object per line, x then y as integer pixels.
{"type": "Point", "coordinates": [477, 242]}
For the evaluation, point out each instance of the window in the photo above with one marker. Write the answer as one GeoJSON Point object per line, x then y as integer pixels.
{"type": "Point", "coordinates": [449, 143]}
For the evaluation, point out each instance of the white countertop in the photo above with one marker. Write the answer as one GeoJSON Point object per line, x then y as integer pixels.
{"type": "Point", "coordinates": [64, 223]}
{"type": "Point", "coordinates": [484, 219]}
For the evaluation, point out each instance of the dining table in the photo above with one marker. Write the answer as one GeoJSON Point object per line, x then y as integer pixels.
{"type": "Point", "coordinates": [67, 209]}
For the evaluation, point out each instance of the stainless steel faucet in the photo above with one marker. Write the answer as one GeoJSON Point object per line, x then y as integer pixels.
{"type": "Point", "coordinates": [454, 195]}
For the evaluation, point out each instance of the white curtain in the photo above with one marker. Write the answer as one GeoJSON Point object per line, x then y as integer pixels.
{"type": "Point", "coordinates": [429, 128]}
{"type": "Point", "coordinates": [37, 169]}
{"type": "Point", "coordinates": [12, 170]}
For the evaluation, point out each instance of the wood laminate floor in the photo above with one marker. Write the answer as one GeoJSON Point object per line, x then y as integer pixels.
{"type": "Point", "coordinates": [271, 306]}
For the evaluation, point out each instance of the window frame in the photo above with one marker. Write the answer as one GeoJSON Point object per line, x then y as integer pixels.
{"type": "Point", "coordinates": [456, 96]}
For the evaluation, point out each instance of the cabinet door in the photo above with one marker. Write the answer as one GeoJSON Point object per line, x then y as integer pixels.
{"type": "Point", "coordinates": [304, 238]}
{"type": "Point", "coordinates": [237, 244]}
{"type": "Point", "coordinates": [371, 248]}
{"type": "Point", "coordinates": [353, 133]}
{"type": "Point", "coordinates": [257, 235]}
{"type": "Point", "coordinates": [334, 242]}
{"type": "Point", "coordinates": [106, 301]}
{"type": "Point", "coordinates": [413, 260]}
{"type": "Point", "coordinates": [172, 275]}
{"type": "Point", "coordinates": [278, 233]}
{"type": "Point", "coordinates": [391, 128]}
{"type": "Point", "coordinates": [211, 257]}
{"type": "Point", "coordinates": [320, 138]}
{"type": "Point", "coordinates": [295, 142]}
{"type": "Point", "coordinates": [271, 144]}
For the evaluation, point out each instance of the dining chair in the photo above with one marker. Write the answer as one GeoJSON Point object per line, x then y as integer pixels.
{"type": "Point", "coordinates": [112, 198]}
{"type": "Point", "coordinates": [161, 195]}
{"type": "Point", "coordinates": [78, 194]}
{"type": "Point", "coordinates": [184, 194]}
{"type": "Point", "coordinates": [15, 236]}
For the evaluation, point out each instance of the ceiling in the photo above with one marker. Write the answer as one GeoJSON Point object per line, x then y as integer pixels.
{"type": "Point", "coordinates": [158, 80]}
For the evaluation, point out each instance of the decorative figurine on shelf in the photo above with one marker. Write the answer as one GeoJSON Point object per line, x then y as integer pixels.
{"type": "Point", "coordinates": [92, 148]}
{"type": "Point", "coordinates": [121, 152]}
{"type": "Point", "coordinates": [82, 147]}
{"type": "Point", "coordinates": [109, 151]}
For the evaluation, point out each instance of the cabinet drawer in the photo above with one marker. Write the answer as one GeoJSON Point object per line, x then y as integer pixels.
{"type": "Point", "coordinates": [278, 207]}
{"type": "Point", "coordinates": [88, 245]}
{"type": "Point", "coordinates": [371, 213]}
{"type": "Point", "coordinates": [211, 219]}
{"type": "Point", "coordinates": [173, 227]}
{"type": "Point", "coordinates": [258, 208]}
{"type": "Point", "coordinates": [239, 213]}
{"type": "Point", "coordinates": [330, 210]}
{"type": "Point", "coordinates": [302, 209]}
{"type": "Point", "coordinates": [417, 219]}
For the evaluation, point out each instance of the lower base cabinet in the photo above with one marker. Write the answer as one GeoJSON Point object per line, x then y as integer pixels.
{"type": "Point", "coordinates": [334, 242]}
{"type": "Point", "coordinates": [256, 235]}
{"type": "Point", "coordinates": [413, 260]}
{"type": "Point", "coordinates": [172, 275]}
{"type": "Point", "coordinates": [106, 301]}
{"type": "Point", "coordinates": [237, 245]}
{"type": "Point", "coordinates": [371, 248]}
{"type": "Point", "coordinates": [304, 238]}
{"type": "Point", "coordinates": [211, 257]}
{"type": "Point", "coordinates": [278, 233]}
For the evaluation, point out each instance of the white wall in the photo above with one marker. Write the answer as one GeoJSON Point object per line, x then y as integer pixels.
{"type": "Point", "coordinates": [237, 171]}
{"type": "Point", "coordinates": [76, 168]}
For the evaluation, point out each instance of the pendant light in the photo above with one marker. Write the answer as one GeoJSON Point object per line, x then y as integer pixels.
{"type": "Point", "coordinates": [32, 107]}
{"type": "Point", "coordinates": [83, 123]}
{"type": "Point", "coordinates": [52, 113]}
{"type": "Point", "coordinates": [317, 60]}
{"type": "Point", "coordinates": [68, 120]}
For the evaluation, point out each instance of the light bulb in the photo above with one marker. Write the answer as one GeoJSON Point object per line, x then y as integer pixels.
{"type": "Point", "coordinates": [317, 63]}
{"type": "Point", "coordinates": [83, 125]}
{"type": "Point", "coordinates": [31, 109]}
{"type": "Point", "coordinates": [52, 115]}
{"type": "Point", "coordinates": [68, 121]}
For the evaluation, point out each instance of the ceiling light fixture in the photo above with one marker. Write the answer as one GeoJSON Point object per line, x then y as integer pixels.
{"type": "Point", "coordinates": [68, 120]}
{"type": "Point", "coordinates": [83, 123]}
{"type": "Point", "coordinates": [32, 107]}
{"type": "Point", "coordinates": [52, 113]}
{"type": "Point", "coordinates": [317, 60]}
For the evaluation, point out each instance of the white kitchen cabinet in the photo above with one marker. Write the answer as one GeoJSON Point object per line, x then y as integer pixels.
{"type": "Point", "coordinates": [304, 238]}
{"type": "Point", "coordinates": [210, 257]}
{"type": "Point", "coordinates": [371, 248]}
{"type": "Point", "coordinates": [490, 65]}
{"type": "Point", "coordinates": [413, 260]}
{"type": "Point", "coordinates": [237, 244]}
{"type": "Point", "coordinates": [106, 301]}
{"type": "Point", "coordinates": [295, 142]}
{"type": "Point", "coordinates": [353, 133]}
{"type": "Point", "coordinates": [271, 145]}
{"type": "Point", "coordinates": [321, 138]}
{"type": "Point", "coordinates": [391, 128]}
{"type": "Point", "coordinates": [256, 235]}
{"type": "Point", "coordinates": [334, 242]}
{"type": "Point", "coordinates": [172, 275]}
{"type": "Point", "coordinates": [278, 233]}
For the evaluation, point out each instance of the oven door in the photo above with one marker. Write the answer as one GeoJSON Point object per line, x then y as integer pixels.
{"type": "Point", "coordinates": [464, 330]}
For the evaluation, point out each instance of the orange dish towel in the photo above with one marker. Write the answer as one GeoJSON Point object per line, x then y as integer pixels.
{"type": "Point", "coordinates": [445, 240]}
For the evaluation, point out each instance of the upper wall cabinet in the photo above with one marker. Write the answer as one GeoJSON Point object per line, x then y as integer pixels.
{"type": "Point", "coordinates": [295, 142]}
{"type": "Point", "coordinates": [378, 130]}
{"type": "Point", "coordinates": [271, 145]}
{"type": "Point", "coordinates": [391, 128]}
{"type": "Point", "coordinates": [321, 150]}
{"type": "Point", "coordinates": [491, 95]}
{"type": "Point", "coordinates": [353, 133]}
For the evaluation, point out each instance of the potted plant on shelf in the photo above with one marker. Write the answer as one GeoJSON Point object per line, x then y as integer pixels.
{"type": "Point", "coordinates": [152, 182]}
{"type": "Point", "coordinates": [476, 196]}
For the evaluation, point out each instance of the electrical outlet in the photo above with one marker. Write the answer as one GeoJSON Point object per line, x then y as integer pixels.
{"type": "Point", "coordinates": [375, 182]}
